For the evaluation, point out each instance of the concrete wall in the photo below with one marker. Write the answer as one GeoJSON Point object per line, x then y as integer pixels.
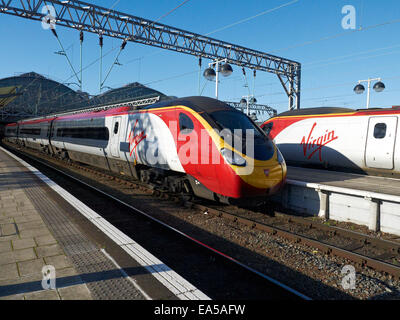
{"type": "Point", "coordinates": [379, 212]}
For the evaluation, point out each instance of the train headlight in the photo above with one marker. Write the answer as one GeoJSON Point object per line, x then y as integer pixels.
{"type": "Point", "coordinates": [281, 160]}
{"type": "Point", "coordinates": [233, 158]}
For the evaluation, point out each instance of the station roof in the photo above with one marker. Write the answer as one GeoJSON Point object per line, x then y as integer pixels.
{"type": "Point", "coordinates": [8, 94]}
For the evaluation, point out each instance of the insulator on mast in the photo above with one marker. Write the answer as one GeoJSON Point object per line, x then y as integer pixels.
{"type": "Point", "coordinates": [101, 40]}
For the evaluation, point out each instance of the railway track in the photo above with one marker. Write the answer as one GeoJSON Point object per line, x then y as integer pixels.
{"type": "Point", "coordinates": [363, 250]}
{"type": "Point", "coordinates": [212, 271]}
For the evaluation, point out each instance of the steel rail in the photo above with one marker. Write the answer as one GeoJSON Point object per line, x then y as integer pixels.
{"type": "Point", "coordinates": [165, 225]}
{"type": "Point", "coordinates": [361, 260]}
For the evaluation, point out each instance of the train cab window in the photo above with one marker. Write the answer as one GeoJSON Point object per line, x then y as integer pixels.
{"type": "Point", "coordinates": [185, 124]}
{"type": "Point", "coordinates": [380, 131]}
{"type": "Point", "coordinates": [236, 122]}
{"type": "Point", "coordinates": [268, 127]}
{"type": "Point", "coordinates": [116, 127]}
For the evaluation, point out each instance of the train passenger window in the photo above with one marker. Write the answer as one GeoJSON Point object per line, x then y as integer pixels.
{"type": "Point", "coordinates": [31, 131]}
{"type": "Point", "coordinates": [185, 123]}
{"type": "Point", "coordinates": [116, 127]}
{"type": "Point", "coordinates": [380, 131]}
{"type": "Point", "coordinates": [95, 133]}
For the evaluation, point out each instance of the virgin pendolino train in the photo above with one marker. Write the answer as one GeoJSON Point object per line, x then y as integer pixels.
{"type": "Point", "coordinates": [362, 141]}
{"type": "Point", "coordinates": [175, 144]}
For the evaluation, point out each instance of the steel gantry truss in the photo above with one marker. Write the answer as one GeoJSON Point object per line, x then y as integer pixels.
{"type": "Point", "coordinates": [84, 16]}
{"type": "Point", "coordinates": [257, 108]}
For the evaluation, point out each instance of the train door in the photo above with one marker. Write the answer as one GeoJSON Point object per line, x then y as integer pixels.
{"type": "Point", "coordinates": [50, 136]}
{"type": "Point", "coordinates": [115, 136]}
{"type": "Point", "coordinates": [381, 137]}
{"type": "Point", "coordinates": [195, 149]}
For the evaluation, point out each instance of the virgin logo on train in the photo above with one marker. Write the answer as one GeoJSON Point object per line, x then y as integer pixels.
{"type": "Point", "coordinates": [135, 139]}
{"type": "Point", "coordinates": [314, 145]}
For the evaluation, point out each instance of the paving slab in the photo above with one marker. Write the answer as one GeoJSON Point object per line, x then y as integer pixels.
{"type": "Point", "coordinates": [59, 262]}
{"type": "Point", "coordinates": [43, 295]}
{"type": "Point", "coordinates": [37, 235]}
{"type": "Point", "coordinates": [5, 246]}
{"type": "Point", "coordinates": [24, 255]}
{"type": "Point", "coordinates": [30, 267]}
{"type": "Point", "coordinates": [48, 250]}
{"type": "Point", "coordinates": [45, 240]}
{"type": "Point", "coordinates": [78, 292]}
{"type": "Point", "coordinates": [23, 243]}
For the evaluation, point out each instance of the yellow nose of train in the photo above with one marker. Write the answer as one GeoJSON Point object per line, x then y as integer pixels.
{"type": "Point", "coordinates": [260, 177]}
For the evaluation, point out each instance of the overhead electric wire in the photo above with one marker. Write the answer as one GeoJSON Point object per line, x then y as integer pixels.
{"type": "Point", "coordinates": [226, 26]}
{"type": "Point", "coordinates": [338, 62]}
{"type": "Point", "coordinates": [337, 35]}
{"type": "Point", "coordinates": [270, 10]}
{"type": "Point", "coordinates": [184, 2]}
{"type": "Point", "coordinates": [252, 17]}
{"type": "Point", "coordinates": [349, 55]}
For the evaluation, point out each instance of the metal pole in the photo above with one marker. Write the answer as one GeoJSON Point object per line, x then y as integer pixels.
{"type": "Point", "coordinates": [81, 38]}
{"type": "Point", "coordinates": [368, 92]}
{"type": "Point", "coordinates": [199, 75]}
{"type": "Point", "coordinates": [216, 63]}
{"type": "Point", "coordinates": [369, 88]}
{"type": "Point", "coordinates": [298, 86]}
{"type": "Point", "coordinates": [291, 82]}
{"type": "Point", "coordinates": [101, 60]}
{"type": "Point", "coordinates": [216, 80]}
{"type": "Point", "coordinates": [254, 81]}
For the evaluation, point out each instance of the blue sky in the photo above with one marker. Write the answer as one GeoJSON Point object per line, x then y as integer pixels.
{"type": "Point", "coordinates": [308, 31]}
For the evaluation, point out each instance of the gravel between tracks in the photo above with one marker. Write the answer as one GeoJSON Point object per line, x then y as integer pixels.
{"type": "Point", "coordinates": [303, 268]}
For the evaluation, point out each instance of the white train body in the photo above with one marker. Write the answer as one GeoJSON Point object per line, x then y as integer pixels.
{"type": "Point", "coordinates": [365, 140]}
{"type": "Point", "coordinates": [153, 144]}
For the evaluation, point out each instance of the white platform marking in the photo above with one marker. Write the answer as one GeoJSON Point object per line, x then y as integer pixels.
{"type": "Point", "coordinates": [169, 278]}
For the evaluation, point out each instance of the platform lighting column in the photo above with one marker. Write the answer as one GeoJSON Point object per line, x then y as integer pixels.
{"type": "Point", "coordinates": [247, 100]}
{"type": "Point", "coordinates": [378, 87]}
{"type": "Point", "coordinates": [210, 74]}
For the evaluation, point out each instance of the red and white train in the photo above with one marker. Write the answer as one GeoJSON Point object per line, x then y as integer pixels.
{"type": "Point", "coordinates": [161, 144]}
{"type": "Point", "coordinates": [364, 141]}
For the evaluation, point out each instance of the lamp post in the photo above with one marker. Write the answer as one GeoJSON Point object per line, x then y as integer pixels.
{"type": "Point", "coordinates": [378, 87]}
{"type": "Point", "coordinates": [226, 70]}
{"type": "Point", "coordinates": [246, 101]}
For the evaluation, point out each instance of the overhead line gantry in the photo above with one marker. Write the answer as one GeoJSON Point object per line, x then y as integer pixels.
{"type": "Point", "coordinates": [88, 17]}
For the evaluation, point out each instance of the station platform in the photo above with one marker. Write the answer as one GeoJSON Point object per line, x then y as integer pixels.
{"type": "Point", "coordinates": [40, 240]}
{"type": "Point", "coordinates": [364, 200]}
{"type": "Point", "coordinates": [367, 183]}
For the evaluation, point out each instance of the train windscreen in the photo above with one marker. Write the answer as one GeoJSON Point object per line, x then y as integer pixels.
{"type": "Point", "coordinates": [235, 121]}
